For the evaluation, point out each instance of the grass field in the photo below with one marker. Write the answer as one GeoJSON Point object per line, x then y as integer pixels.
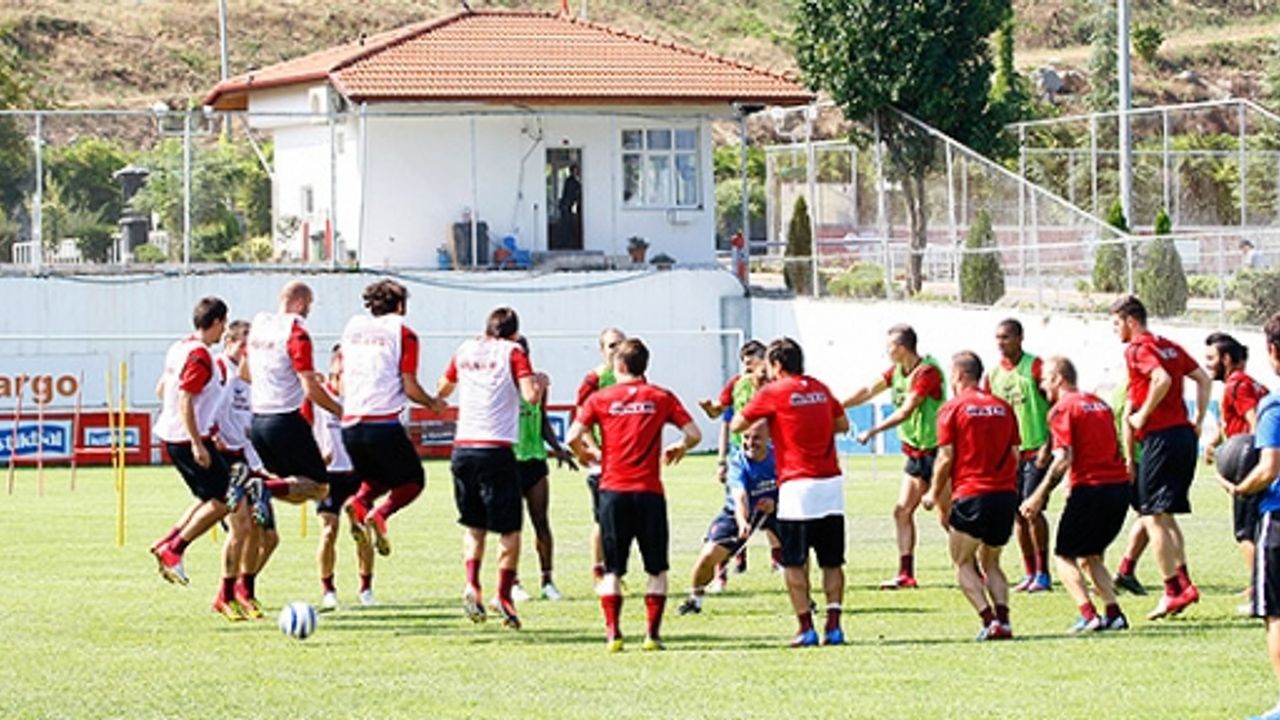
{"type": "Point", "coordinates": [90, 630]}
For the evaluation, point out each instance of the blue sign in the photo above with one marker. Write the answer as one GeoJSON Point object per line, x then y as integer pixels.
{"type": "Point", "coordinates": [100, 437]}
{"type": "Point", "coordinates": [53, 439]}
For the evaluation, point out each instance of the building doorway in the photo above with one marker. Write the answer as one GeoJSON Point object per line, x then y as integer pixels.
{"type": "Point", "coordinates": [564, 199]}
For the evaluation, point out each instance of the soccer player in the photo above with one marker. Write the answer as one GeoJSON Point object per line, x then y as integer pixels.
{"type": "Point", "coordinates": [1016, 380]}
{"type": "Point", "coordinates": [1225, 359]}
{"type": "Point", "coordinates": [752, 484]}
{"type": "Point", "coordinates": [380, 375]}
{"type": "Point", "coordinates": [1158, 419]}
{"type": "Point", "coordinates": [1084, 442]}
{"type": "Point", "coordinates": [918, 389]}
{"type": "Point", "coordinates": [191, 395]}
{"type": "Point", "coordinates": [282, 374]}
{"type": "Point", "coordinates": [1262, 481]}
{"type": "Point", "coordinates": [598, 379]}
{"type": "Point", "coordinates": [974, 488]}
{"type": "Point", "coordinates": [733, 397]}
{"type": "Point", "coordinates": [803, 418]}
{"type": "Point", "coordinates": [531, 465]}
{"type": "Point", "coordinates": [491, 374]}
{"type": "Point", "coordinates": [343, 483]}
{"type": "Point", "coordinates": [631, 415]}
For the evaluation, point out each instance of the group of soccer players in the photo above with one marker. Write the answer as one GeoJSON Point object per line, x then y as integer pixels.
{"type": "Point", "coordinates": [985, 449]}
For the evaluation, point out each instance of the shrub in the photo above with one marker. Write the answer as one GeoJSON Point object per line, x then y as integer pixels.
{"type": "Point", "coordinates": [1202, 286]}
{"type": "Point", "coordinates": [981, 277]}
{"type": "Point", "coordinates": [148, 254]}
{"type": "Point", "coordinates": [1161, 281]}
{"type": "Point", "coordinates": [1109, 270]}
{"type": "Point", "coordinates": [798, 272]}
{"type": "Point", "coordinates": [861, 280]}
{"type": "Point", "coordinates": [1259, 294]}
{"type": "Point", "coordinates": [1147, 40]}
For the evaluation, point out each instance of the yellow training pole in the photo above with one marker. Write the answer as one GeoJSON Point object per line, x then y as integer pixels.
{"type": "Point", "coordinates": [124, 474]}
{"type": "Point", "coordinates": [303, 528]}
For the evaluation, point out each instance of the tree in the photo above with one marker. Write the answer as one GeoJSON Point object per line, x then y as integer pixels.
{"type": "Point", "coordinates": [929, 59]}
{"type": "Point", "coordinates": [1162, 283]}
{"type": "Point", "coordinates": [1147, 40]}
{"type": "Point", "coordinates": [1103, 60]}
{"type": "Point", "coordinates": [981, 276]}
{"type": "Point", "coordinates": [1109, 270]}
{"type": "Point", "coordinates": [798, 272]}
{"type": "Point", "coordinates": [16, 157]}
{"type": "Point", "coordinates": [84, 169]}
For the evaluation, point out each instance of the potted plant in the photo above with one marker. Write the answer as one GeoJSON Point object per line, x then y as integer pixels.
{"type": "Point", "coordinates": [636, 248]}
{"type": "Point", "coordinates": [663, 261]}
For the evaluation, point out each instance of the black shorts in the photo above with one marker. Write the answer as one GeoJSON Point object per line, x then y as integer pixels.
{"type": "Point", "coordinates": [1165, 473]}
{"type": "Point", "coordinates": [286, 446]}
{"type": "Point", "coordinates": [1245, 516]}
{"type": "Point", "coordinates": [1091, 519]}
{"type": "Point", "coordinates": [593, 484]}
{"type": "Point", "coordinates": [824, 536]}
{"type": "Point", "coordinates": [341, 487]}
{"type": "Point", "coordinates": [486, 489]}
{"type": "Point", "coordinates": [1030, 477]}
{"type": "Point", "coordinates": [1266, 567]}
{"type": "Point", "coordinates": [531, 472]}
{"type": "Point", "coordinates": [988, 518]}
{"type": "Point", "coordinates": [921, 466]}
{"type": "Point", "coordinates": [638, 516]}
{"type": "Point", "coordinates": [205, 483]}
{"type": "Point", "coordinates": [724, 529]}
{"type": "Point", "coordinates": [383, 454]}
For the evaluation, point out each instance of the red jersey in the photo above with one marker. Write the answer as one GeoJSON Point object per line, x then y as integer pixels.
{"type": "Point", "coordinates": [1142, 357]}
{"type": "Point", "coordinates": [983, 434]}
{"type": "Point", "coordinates": [1240, 394]}
{"type": "Point", "coordinates": [1084, 423]}
{"type": "Point", "coordinates": [801, 412]}
{"type": "Point", "coordinates": [631, 417]}
{"type": "Point", "coordinates": [726, 393]}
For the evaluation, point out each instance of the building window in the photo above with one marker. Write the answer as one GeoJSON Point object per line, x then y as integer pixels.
{"type": "Point", "coordinates": [660, 168]}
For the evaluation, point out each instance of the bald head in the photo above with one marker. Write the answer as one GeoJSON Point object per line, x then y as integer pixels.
{"type": "Point", "coordinates": [296, 297]}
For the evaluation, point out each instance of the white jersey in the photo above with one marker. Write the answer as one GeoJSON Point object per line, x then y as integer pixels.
{"type": "Point", "coordinates": [486, 371]}
{"type": "Point", "coordinates": [188, 365]}
{"type": "Point", "coordinates": [236, 416]}
{"type": "Point", "coordinates": [375, 351]}
{"type": "Point", "coordinates": [327, 429]}
{"type": "Point", "coordinates": [278, 349]}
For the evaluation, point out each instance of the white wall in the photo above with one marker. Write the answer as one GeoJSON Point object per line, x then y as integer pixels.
{"type": "Point", "coordinates": [844, 342]}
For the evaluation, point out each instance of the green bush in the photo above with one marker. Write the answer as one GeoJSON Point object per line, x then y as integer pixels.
{"type": "Point", "coordinates": [1161, 281]}
{"type": "Point", "coordinates": [981, 277]}
{"type": "Point", "coordinates": [1147, 40]}
{"type": "Point", "coordinates": [1109, 270]}
{"type": "Point", "coordinates": [148, 254]}
{"type": "Point", "coordinates": [1202, 286]}
{"type": "Point", "coordinates": [798, 272]}
{"type": "Point", "coordinates": [862, 280]}
{"type": "Point", "coordinates": [1259, 294]}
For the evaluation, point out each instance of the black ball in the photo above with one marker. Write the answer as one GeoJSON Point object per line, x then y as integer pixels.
{"type": "Point", "coordinates": [1236, 458]}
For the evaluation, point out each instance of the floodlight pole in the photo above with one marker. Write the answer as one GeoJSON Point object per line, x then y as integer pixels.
{"type": "Point", "coordinates": [37, 202]}
{"type": "Point", "coordinates": [224, 62]}
{"type": "Point", "coordinates": [1126, 159]}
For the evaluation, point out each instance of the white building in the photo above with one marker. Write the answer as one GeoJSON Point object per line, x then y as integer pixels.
{"type": "Point", "coordinates": [411, 129]}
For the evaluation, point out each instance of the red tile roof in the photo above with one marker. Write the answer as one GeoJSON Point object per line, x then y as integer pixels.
{"type": "Point", "coordinates": [518, 57]}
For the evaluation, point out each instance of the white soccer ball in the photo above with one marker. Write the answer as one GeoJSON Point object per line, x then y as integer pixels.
{"type": "Point", "coordinates": [298, 620]}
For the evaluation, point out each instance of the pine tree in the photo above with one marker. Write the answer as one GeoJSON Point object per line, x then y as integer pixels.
{"type": "Point", "coordinates": [1162, 283]}
{"type": "Point", "coordinates": [1109, 270]}
{"type": "Point", "coordinates": [981, 276]}
{"type": "Point", "coordinates": [798, 272]}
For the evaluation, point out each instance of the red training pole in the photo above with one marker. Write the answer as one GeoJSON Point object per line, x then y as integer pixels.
{"type": "Point", "coordinates": [13, 443]}
{"type": "Point", "coordinates": [75, 430]}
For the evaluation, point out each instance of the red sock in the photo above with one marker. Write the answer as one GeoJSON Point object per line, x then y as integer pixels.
{"type": "Point", "coordinates": [833, 618]}
{"type": "Point", "coordinates": [473, 574]}
{"type": "Point", "coordinates": [506, 579]}
{"type": "Point", "coordinates": [987, 616]}
{"type": "Point", "coordinates": [806, 621]}
{"type": "Point", "coordinates": [1127, 566]}
{"type": "Point", "coordinates": [400, 496]}
{"type": "Point", "coordinates": [327, 584]}
{"type": "Point", "coordinates": [907, 565]}
{"type": "Point", "coordinates": [178, 545]}
{"type": "Point", "coordinates": [776, 555]}
{"type": "Point", "coordinates": [612, 607]}
{"type": "Point", "coordinates": [1042, 562]}
{"type": "Point", "coordinates": [1172, 586]}
{"type": "Point", "coordinates": [247, 583]}
{"type": "Point", "coordinates": [366, 583]}
{"type": "Point", "coordinates": [228, 588]}
{"type": "Point", "coordinates": [653, 607]}
{"type": "Point", "coordinates": [169, 536]}
{"type": "Point", "coordinates": [1088, 611]}
{"type": "Point", "coordinates": [276, 486]}
{"type": "Point", "coordinates": [1184, 576]}
{"type": "Point", "coordinates": [1002, 614]}
{"type": "Point", "coordinates": [1113, 611]}
{"type": "Point", "coordinates": [1029, 562]}
{"type": "Point", "coordinates": [597, 571]}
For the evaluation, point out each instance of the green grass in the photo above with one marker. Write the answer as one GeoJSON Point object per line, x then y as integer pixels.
{"type": "Point", "coordinates": [90, 630]}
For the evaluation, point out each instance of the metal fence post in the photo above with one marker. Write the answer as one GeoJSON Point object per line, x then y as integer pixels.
{"type": "Point", "coordinates": [1035, 251]}
{"type": "Point", "coordinates": [882, 210]}
{"type": "Point", "coordinates": [1243, 165]}
{"type": "Point", "coordinates": [186, 191]}
{"type": "Point", "coordinates": [1222, 283]}
{"type": "Point", "coordinates": [951, 212]}
{"type": "Point", "coordinates": [1022, 206]}
{"type": "Point", "coordinates": [333, 188]}
{"type": "Point", "coordinates": [1164, 165]}
{"type": "Point", "coordinates": [811, 161]}
{"type": "Point", "coordinates": [37, 200]}
{"type": "Point", "coordinates": [1093, 162]}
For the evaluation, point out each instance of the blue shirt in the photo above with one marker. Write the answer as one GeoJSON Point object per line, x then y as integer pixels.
{"type": "Point", "coordinates": [759, 480]}
{"type": "Point", "coordinates": [1267, 435]}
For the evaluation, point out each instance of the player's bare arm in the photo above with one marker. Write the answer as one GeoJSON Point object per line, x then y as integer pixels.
{"type": "Point", "coordinates": [865, 393]}
{"type": "Point", "coordinates": [722, 453]}
{"type": "Point", "coordinates": [739, 423]}
{"type": "Point", "coordinates": [910, 403]}
{"type": "Point", "coordinates": [741, 513]}
{"type": "Point", "coordinates": [1204, 384]}
{"type": "Point", "coordinates": [187, 408]}
{"type": "Point", "coordinates": [1161, 384]}
{"type": "Point", "coordinates": [712, 408]}
{"type": "Point", "coordinates": [1262, 474]}
{"type": "Point", "coordinates": [317, 393]}
{"type": "Point", "coordinates": [674, 452]}
{"type": "Point", "coordinates": [841, 423]}
{"type": "Point", "coordinates": [1033, 505]}
{"type": "Point", "coordinates": [579, 441]}
{"type": "Point", "coordinates": [531, 387]}
{"type": "Point", "coordinates": [444, 387]}
{"type": "Point", "coordinates": [561, 453]}
{"type": "Point", "coordinates": [939, 493]}
{"type": "Point", "coordinates": [414, 391]}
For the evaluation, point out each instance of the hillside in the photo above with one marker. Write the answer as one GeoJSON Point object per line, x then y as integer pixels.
{"type": "Point", "coordinates": [131, 53]}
